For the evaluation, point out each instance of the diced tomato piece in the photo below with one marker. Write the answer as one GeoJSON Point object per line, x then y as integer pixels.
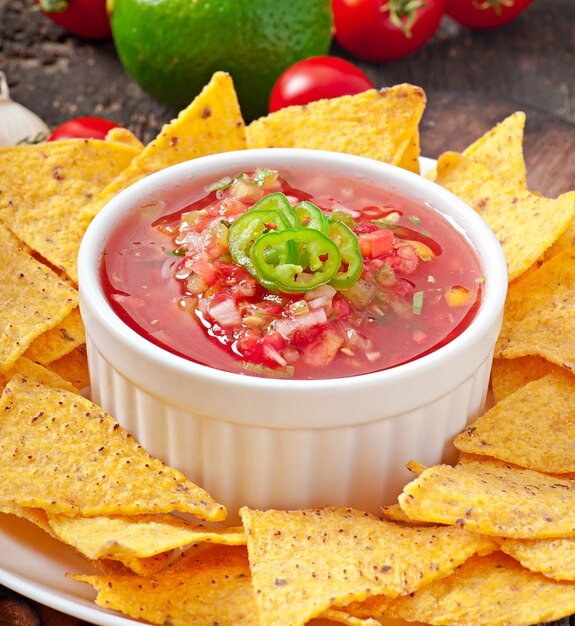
{"type": "Point", "coordinates": [376, 244]}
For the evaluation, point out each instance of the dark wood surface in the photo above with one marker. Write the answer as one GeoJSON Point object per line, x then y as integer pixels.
{"type": "Point", "coordinates": [472, 80]}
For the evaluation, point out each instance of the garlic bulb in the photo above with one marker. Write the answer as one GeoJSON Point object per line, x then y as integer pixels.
{"type": "Point", "coordinates": [17, 123]}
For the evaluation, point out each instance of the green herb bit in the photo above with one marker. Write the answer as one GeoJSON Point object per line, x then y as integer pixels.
{"type": "Point", "coordinates": [262, 370]}
{"type": "Point", "coordinates": [414, 219]}
{"type": "Point", "coordinates": [417, 304]}
{"type": "Point", "coordinates": [220, 185]}
{"type": "Point", "coordinates": [176, 252]}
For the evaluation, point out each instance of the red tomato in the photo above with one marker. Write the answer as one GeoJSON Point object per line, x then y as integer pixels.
{"type": "Point", "coordinates": [483, 14]}
{"type": "Point", "coordinates": [83, 128]}
{"type": "Point", "coordinates": [384, 30]}
{"type": "Point", "coordinates": [85, 18]}
{"type": "Point", "coordinates": [316, 78]}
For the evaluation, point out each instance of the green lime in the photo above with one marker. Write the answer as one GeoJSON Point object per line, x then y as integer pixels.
{"type": "Point", "coordinates": [171, 48]}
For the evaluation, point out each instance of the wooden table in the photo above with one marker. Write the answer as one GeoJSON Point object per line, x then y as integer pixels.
{"type": "Point", "coordinates": [472, 80]}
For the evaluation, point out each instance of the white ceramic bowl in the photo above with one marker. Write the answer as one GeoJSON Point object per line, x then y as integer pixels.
{"type": "Point", "coordinates": [291, 443]}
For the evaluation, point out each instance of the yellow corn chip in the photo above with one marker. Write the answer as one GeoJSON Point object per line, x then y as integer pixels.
{"type": "Point", "coordinates": [490, 497]}
{"type": "Point", "coordinates": [380, 125]}
{"type": "Point", "coordinates": [60, 452]}
{"type": "Point", "coordinates": [555, 558]}
{"type": "Point", "coordinates": [394, 513]}
{"type": "Point", "coordinates": [125, 136]}
{"type": "Point", "coordinates": [213, 589]}
{"type": "Point", "coordinates": [305, 562]}
{"type": "Point", "coordinates": [410, 159]}
{"type": "Point", "coordinates": [509, 375]}
{"type": "Point", "coordinates": [488, 591]}
{"type": "Point", "coordinates": [540, 314]}
{"type": "Point", "coordinates": [33, 298]}
{"type": "Point", "coordinates": [136, 535]}
{"type": "Point", "coordinates": [341, 617]}
{"type": "Point", "coordinates": [565, 242]}
{"type": "Point", "coordinates": [211, 123]}
{"type": "Point", "coordinates": [501, 150]}
{"type": "Point", "coordinates": [532, 428]}
{"type": "Point", "coordinates": [525, 223]}
{"type": "Point", "coordinates": [36, 516]}
{"type": "Point", "coordinates": [73, 367]}
{"type": "Point", "coordinates": [58, 341]}
{"type": "Point", "coordinates": [29, 369]}
{"type": "Point", "coordinates": [44, 186]}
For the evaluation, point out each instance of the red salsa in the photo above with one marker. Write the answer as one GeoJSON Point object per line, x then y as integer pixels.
{"type": "Point", "coordinates": [292, 274]}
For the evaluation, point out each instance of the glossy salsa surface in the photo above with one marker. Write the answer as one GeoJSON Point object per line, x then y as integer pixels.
{"type": "Point", "coordinates": [193, 274]}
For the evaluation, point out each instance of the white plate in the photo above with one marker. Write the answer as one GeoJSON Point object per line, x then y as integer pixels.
{"type": "Point", "coordinates": [35, 565]}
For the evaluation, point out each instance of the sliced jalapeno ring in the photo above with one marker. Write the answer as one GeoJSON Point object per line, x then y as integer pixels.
{"type": "Point", "coordinates": [277, 201]}
{"type": "Point", "coordinates": [322, 259]}
{"type": "Point", "coordinates": [348, 246]}
{"type": "Point", "coordinates": [311, 216]}
{"type": "Point", "coordinates": [247, 228]}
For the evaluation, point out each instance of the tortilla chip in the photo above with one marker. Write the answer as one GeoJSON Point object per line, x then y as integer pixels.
{"type": "Point", "coordinates": [211, 123]}
{"type": "Point", "coordinates": [380, 124]}
{"type": "Point", "coordinates": [540, 314]}
{"type": "Point", "coordinates": [509, 375]}
{"type": "Point", "coordinates": [306, 562]}
{"type": "Point", "coordinates": [565, 242]}
{"type": "Point", "coordinates": [44, 186]}
{"type": "Point", "coordinates": [501, 150]}
{"type": "Point", "coordinates": [410, 159]}
{"type": "Point", "coordinates": [341, 617]}
{"type": "Point", "coordinates": [73, 367]}
{"type": "Point", "coordinates": [525, 223]}
{"type": "Point", "coordinates": [61, 453]}
{"type": "Point", "coordinates": [487, 496]}
{"type": "Point", "coordinates": [488, 591]}
{"type": "Point", "coordinates": [34, 299]}
{"type": "Point", "coordinates": [532, 428]}
{"type": "Point", "coordinates": [125, 136]}
{"type": "Point", "coordinates": [58, 341]}
{"type": "Point", "coordinates": [215, 589]}
{"type": "Point", "coordinates": [554, 558]}
{"type": "Point", "coordinates": [394, 513]}
{"type": "Point", "coordinates": [38, 372]}
{"type": "Point", "coordinates": [137, 535]}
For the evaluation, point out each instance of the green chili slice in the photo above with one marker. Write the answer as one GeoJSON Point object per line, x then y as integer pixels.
{"type": "Point", "coordinates": [351, 260]}
{"type": "Point", "coordinates": [311, 216]}
{"type": "Point", "coordinates": [249, 227]}
{"type": "Point", "coordinates": [322, 259]}
{"type": "Point", "coordinates": [277, 201]}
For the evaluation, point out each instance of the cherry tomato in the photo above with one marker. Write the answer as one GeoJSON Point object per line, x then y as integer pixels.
{"type": "Point", "coordinates": [482, 14]}
{"type": "Point", "coordinates": [316, 78]}
{"type": "Point", "coordinates": [85, 18]}
{"type": "Point", "coordinates": [83, 128]}
{"type": "Point", "coordinates": [385, 30]}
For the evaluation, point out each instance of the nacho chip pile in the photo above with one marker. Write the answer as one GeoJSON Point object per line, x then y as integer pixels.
{"type": "Point", "coordinates": [489, 541]}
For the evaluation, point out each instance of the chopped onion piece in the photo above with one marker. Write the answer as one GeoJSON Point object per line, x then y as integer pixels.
{"type": "Point", "coordinates": [288, 327]}
{"type": "Point", "coordinates": [225, 313]}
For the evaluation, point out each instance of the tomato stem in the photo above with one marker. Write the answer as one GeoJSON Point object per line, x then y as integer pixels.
{"type": "Point", "coordinates": [54, 6]}
{"type": "Point", "coordinates": [483, 5]}
{"type": "Point", "coordinates": [402, 13]}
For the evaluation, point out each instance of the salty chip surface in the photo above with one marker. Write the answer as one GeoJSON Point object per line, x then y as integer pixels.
{"type": "Point", "coordinates": [34, 299]}
{"type": "Point", "coordinates": [381, 125]}
{"type": "Point", "coordinates": [490, 497]}
{"type": "Point", "coordinates": [305, 562]}
{"type": "Point", "coordinates": [62, 453]}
